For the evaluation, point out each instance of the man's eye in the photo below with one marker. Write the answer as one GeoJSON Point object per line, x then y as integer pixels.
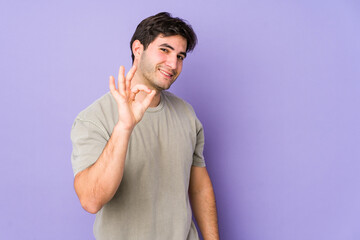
{"type": "Point", "coordinates": [180, 57]}
{"type": "Point", "coordinates": [164, 50]}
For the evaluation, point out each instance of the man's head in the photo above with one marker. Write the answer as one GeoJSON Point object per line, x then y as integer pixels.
{"type": "Point", "coordinates": [159, 46]}
{"type": "Point", "coordinates": [165, 25]}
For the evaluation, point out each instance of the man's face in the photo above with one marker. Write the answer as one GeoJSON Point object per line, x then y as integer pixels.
{"type": "Point", "coordinates": [161, 63]}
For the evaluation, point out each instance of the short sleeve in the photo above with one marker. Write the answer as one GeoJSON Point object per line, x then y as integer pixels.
{"type": "Point", "coordinates": [198, 157]}
{"type": "Point", "coordinates": [88, 140]}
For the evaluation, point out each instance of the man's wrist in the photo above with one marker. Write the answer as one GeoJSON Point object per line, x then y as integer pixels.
{"type": "Point", "coordinates": [120, 128]}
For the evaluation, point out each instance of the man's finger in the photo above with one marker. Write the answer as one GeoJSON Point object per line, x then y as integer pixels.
{"type": "Point", "coordinates": [112, 87]}
{"type": "Point", "coordinates": [132, 96]}
{"type": "Point", "coordinates": [129, 77]}
{"type": "Point", "coordinates": [148, 99]}
{"type": "Point", "coordinates": [135, 63]}
{"type": "Point", "coordinates": [131, 73]}
{"type": "Point", "coordinates": [140, 87]}
{"type": "Point", "coordinates": [112, 84]}
{"type": "Point", "coordinates": [121, 80]}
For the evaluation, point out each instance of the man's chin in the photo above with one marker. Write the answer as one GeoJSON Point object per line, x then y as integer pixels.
{"type": "Point", "coordinates": [163, 86]}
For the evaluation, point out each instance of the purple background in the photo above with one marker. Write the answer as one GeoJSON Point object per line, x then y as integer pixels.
{"type": "Point", "coordinates": [275, 83]}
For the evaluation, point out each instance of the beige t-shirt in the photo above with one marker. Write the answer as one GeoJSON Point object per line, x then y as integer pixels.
{"type": "Point", "coordinates": [152, 200]}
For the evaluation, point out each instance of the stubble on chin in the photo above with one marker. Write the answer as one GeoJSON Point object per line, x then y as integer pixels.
{"type": "Point", "coordinates": [152, 77]}
{"type": "Point", "coordinates": [154, 81]}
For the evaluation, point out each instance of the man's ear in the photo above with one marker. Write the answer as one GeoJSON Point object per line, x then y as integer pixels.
{"type": "Point", "coordinates": [137, 48]}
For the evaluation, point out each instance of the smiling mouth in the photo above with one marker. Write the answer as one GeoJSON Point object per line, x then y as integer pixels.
{"type": "Point", "coordinates": [169, 75]}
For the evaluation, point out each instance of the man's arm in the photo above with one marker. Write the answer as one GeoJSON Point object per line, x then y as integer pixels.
{"type": "Point", "coordinates": [97, 184]}
{"type": "Point", "coordinates": [203, 204]}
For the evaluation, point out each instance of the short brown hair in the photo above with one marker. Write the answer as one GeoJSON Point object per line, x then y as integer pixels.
{"type": "Point", "coordinates": [163, 23]}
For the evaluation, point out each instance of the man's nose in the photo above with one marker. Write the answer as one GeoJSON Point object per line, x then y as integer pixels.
{"type": "Point", "coordinates": [171, 62]}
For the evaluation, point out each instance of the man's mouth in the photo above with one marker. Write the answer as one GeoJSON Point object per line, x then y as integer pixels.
{"type": "Point", "coordinates": [167, 74]}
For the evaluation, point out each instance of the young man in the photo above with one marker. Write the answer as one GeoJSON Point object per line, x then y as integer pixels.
{"type": "Point", "coordinates": [138, 150]}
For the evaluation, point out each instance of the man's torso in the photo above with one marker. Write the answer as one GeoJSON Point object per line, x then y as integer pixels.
{"type": "Point", "coordinates": [152, 199]}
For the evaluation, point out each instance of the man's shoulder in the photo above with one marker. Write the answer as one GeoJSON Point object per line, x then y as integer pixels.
{"type": "Point", "coordinates": [102, 113]}
{"type": "Point", "coordinates": [100, 107]}
{"type": "Point", "coordinates": [180, 106]}
{"type": "Point", "coordinates": [177, 101]}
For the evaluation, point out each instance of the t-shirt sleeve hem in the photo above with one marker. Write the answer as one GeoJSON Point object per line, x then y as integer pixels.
{"type": "Point", "coordinates": [198, 162]}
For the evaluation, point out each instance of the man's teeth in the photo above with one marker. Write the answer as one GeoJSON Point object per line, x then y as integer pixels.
{"type": "Point", "coordinates": [165, 73]}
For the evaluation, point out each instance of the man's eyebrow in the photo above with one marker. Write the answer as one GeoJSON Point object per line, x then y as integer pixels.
{"type": "Point", "coordinates": [168, 46]}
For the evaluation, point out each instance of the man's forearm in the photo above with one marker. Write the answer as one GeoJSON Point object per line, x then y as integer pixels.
{"type": "Point", "coordinates": [97, 184]}
{"type": "Point", "coordinates": [204, 209]}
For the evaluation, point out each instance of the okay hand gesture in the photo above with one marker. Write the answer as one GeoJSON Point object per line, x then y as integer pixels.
{"type": "Point", "coordinates": [130, 110]}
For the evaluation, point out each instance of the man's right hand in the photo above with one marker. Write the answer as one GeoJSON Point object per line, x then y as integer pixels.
{"type": "Point", "coordinates": [130, 109]}
{"type": "Point", "coordinates": [97, 184]}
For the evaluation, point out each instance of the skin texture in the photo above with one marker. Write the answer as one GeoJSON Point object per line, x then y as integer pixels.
{"type": "Point", "coordinates": [97, 184]}
{"type": "Point", "coordinates": [157, 61]}
{"type": "Point", "coordinates": [202, 199]}
{"type": "Point", "coordinates": [154, 69]}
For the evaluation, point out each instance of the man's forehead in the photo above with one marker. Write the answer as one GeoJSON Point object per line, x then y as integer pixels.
{"type": "Point", "coordinates": [175, 41]}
